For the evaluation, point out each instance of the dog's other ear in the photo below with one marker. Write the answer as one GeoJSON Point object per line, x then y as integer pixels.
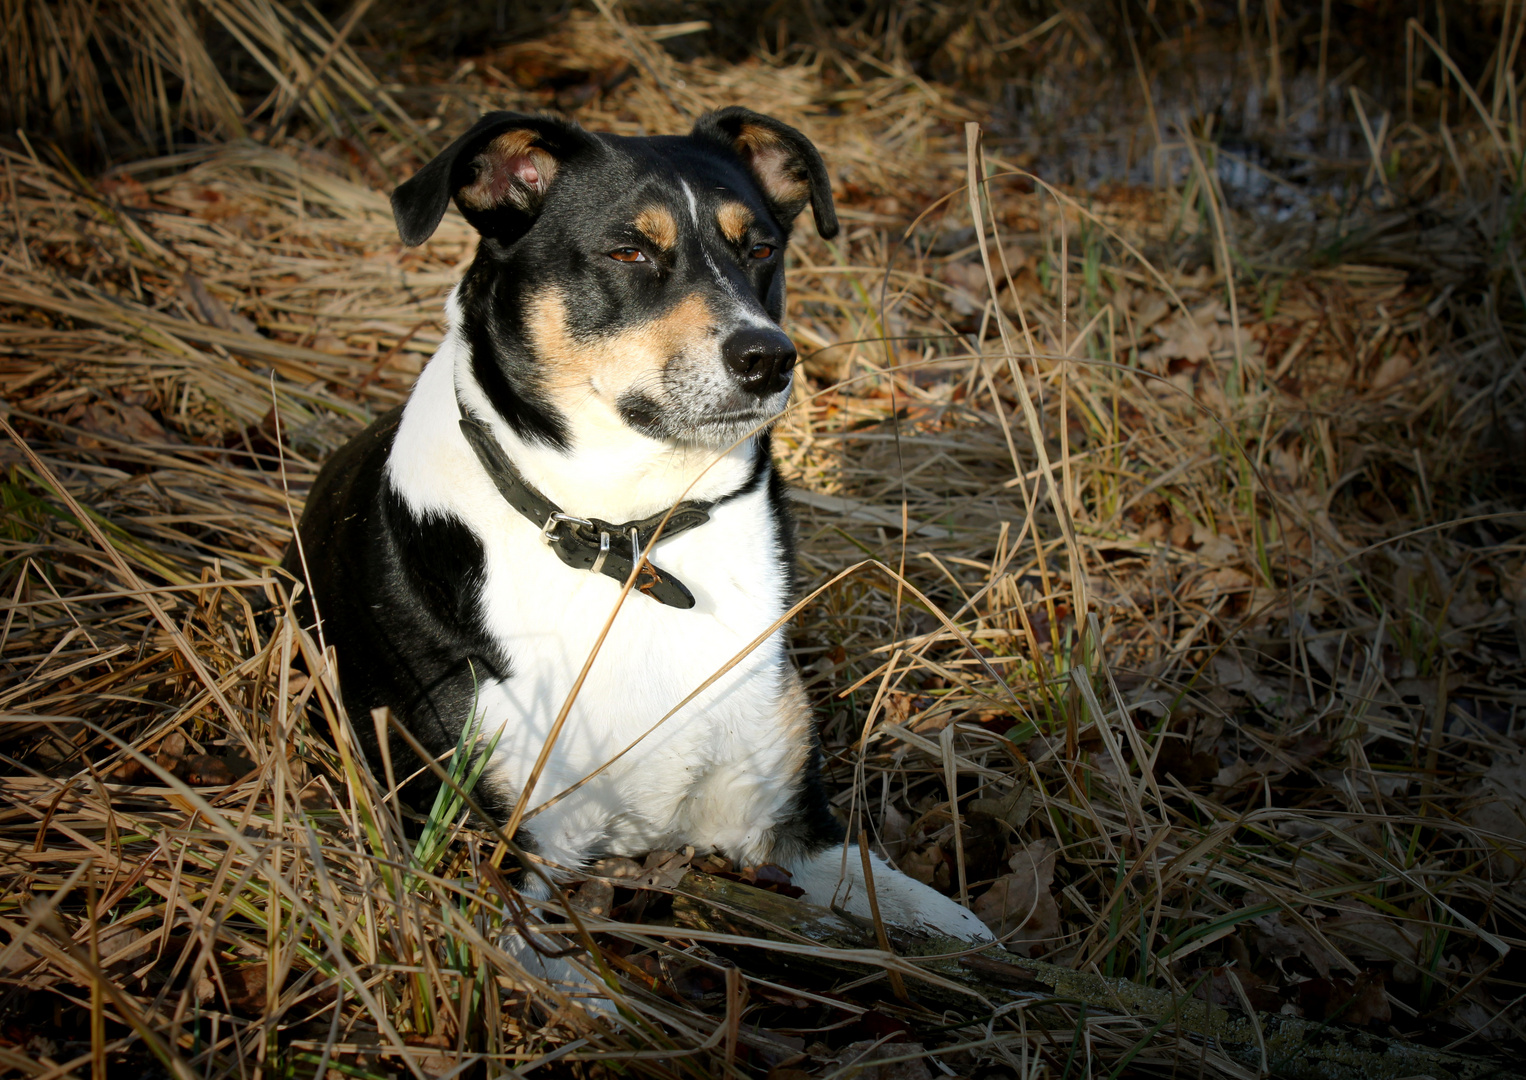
{"type": "Point", "coordinates": [783, 162]}
{"type": "Point", "coordinates": [498, 173]}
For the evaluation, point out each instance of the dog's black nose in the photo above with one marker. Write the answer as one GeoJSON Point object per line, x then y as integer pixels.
{"type": "Point", "coordinates": [760, 359]}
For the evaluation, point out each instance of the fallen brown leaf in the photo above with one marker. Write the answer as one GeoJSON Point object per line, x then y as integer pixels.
{"type": "Point", "coordinates": [1019, 907]}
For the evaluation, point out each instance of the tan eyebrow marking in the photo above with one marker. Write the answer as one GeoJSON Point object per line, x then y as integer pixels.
{"type": "Point", "coordinates": [733, 219]}
{"type": "Point", "coordinates": [658, 225]}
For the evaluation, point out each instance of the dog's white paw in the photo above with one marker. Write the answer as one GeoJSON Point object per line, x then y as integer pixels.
{"type": "Point", "coordinates": [903, 901]}
{"type": "Point", "coordinates": [565, 976]}
{"type": "Point", "coordinates": [570, 975]}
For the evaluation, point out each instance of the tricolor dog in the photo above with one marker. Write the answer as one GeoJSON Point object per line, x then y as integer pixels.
{"type": "Point", "coordinates": [613, 352]}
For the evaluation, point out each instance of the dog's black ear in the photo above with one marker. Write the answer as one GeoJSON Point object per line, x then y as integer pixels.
{"type": "Point", "coordinates": [498, 173]}
{"type": "Point", "coordinates": [784, 162]}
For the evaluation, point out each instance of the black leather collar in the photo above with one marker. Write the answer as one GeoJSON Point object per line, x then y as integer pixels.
{"type": "Point", "coordinates": [588, 543]}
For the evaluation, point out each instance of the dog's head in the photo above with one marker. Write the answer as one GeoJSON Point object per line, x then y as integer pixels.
{"type": "Point", "coordinates": [636, 282]}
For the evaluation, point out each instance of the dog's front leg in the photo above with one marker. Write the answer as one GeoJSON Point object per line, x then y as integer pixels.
{"type": "Point", "coordinates": [805, 839]}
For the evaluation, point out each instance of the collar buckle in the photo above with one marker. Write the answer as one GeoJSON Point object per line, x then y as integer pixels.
{"type": "Point", "coordinates": [576, 545]}
{"type": "Point", "coordinates": [555, 518]}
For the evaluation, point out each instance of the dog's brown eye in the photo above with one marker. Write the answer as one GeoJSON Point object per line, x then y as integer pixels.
{"type": "Point", "coordinates": [627, 255]}
{"type": "Point", "coordinates": [762, 251]}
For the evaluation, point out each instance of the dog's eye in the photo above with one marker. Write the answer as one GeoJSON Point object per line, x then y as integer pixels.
{"type": "Point", "coordinates": [630, 255]}
{"type": "Point", "coordinates": [761, 251]}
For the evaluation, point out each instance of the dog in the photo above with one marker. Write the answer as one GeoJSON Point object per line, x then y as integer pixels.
{"type": "Point", "coordinates": [613, 363]}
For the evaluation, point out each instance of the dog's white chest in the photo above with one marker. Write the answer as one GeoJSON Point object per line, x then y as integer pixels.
{"type": "Point", "coordinates": [680, 708]}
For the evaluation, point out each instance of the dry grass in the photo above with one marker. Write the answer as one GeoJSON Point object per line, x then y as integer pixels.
{"type": "Point", "coordinates": [1182, 547]}
{"type": "Point", "coordinates": [101, 74]}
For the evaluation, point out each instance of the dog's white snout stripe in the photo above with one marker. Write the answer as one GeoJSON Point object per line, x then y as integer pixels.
{"type": "Point", "coordinates": [745, 307]}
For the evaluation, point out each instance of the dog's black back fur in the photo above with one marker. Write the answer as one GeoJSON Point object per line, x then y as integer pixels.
{"type": "Point", "coordinates": [422, 655]}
